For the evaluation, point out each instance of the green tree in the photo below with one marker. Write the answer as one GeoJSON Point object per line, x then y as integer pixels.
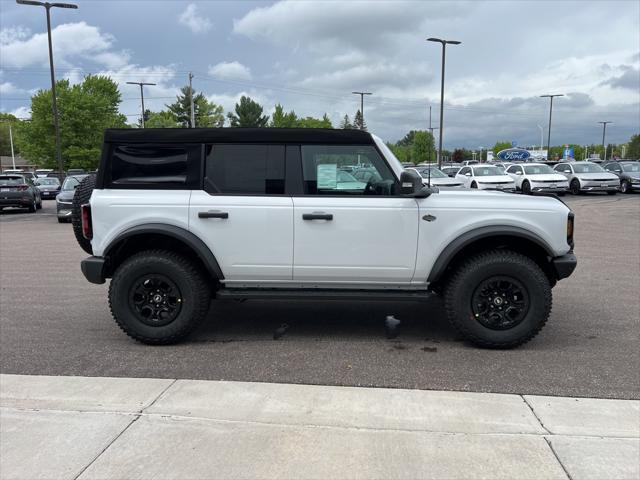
{"type": "Point", "coordinates": [633, 147]}
{"type": "Point", "coordinates": [161, 119]}
{"type": "Point", "coordinates": [346, 123]}
{"type": "Point", "coordinates": [6, 120]}
{"type": "Point", "coordinates": [280, 119]}
{"type": "Point", "coordinates": [402, 152]}
{"type": "Point", "coordinates": [500, 145]}
{"type": "Point", "coordinates": [358, 121]}
{"type": "Point", "coordinates": [85, 111]}
{"type": "Point", "coordinates": [206, 113]}
{"type": "Point", "coordinates": [248, 114]}
{"type": "Point", "coordinates": [407, 140]}
{"type": "Point", "coordinates": [311, 122]}
{"type": "Point", "coordinates": [421, 146]}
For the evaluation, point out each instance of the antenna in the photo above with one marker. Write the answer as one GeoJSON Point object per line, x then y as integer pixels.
{"type": "Point", "coordinates": [429, 176]}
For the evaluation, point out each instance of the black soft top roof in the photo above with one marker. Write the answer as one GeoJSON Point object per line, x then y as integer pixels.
{"type": "Point", "coordinates": [238, 135]}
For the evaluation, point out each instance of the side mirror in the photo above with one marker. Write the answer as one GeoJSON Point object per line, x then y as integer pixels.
{"type": "Point", "coordinates": [410, 182]}
{"type": "Point", "coordinates": [468, 174]}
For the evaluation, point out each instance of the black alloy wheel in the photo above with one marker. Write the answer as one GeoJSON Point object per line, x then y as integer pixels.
{"type": "Point", "coordinates": [500, 303]}
{"type": "Point", "coordinates": [526, 188]}
{"type": "Point", "coordinates": [155, 300]}
{"type": "Point", "coordinates": [575, 187]}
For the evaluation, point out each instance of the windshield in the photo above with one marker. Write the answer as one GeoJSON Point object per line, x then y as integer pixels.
{"type": "Point", "coordinates": [631, 167]}
{"type": "Point", "coordinates": [435, 173]}
{"type": "Point", "coordinates": [48, 181]}
{"type": "Point", "coordinates": [537, 169]}
{"type": "Point", "coordinates": [12, 181]}
{"type": "Point", "coordinates": [71, 182]}
{"type": "Point", "coordinates": [587, 168]}
{"type": "Point", "coordinates": [487, 171]}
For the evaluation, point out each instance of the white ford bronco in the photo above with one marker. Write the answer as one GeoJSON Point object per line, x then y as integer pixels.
{"type": "Point", "coordinates": [176, 217]}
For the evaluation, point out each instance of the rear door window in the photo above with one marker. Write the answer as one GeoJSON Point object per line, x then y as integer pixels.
{"type": "Point", "coordinates": [245, 169]}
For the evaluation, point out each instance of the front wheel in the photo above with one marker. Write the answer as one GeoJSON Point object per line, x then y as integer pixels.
{"type": "Point", "coordinates": [526, 188]}
{"type": "Point", "coordinates": [624, 186]}
{"type": "Point", "coordinates": [498, 299]}
{"type": "Point", "coordinates": [474, 185]}
{"type": "Point", "coordinates": [575, 187]}
{"type": "Point", "coordinates": [158, 297]}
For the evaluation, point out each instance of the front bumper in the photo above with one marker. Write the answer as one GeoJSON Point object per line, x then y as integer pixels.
{"type": "Point", "coordinates": [48, 194]}
{"type": "Point", "coordinates": [599, 187]}
{"type": "Point", "coordinates": [564, 265]}
{"type": "Point", "coordinates": [499, 188]}
{"type": "Point", "coordinates": [541, 187]}
{"type": "Point", "coordinates": [93, 269]}
{"type": "Point", "coordinates": [64, 209]}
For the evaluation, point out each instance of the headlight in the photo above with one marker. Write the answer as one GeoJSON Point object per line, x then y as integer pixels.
{"type": "Point", "coordinates": [635, 180]}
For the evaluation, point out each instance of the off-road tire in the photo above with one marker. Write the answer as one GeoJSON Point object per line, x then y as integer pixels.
{"type": "Point", "coordinates": [526, 188]}
{"type": "Point", "coordinates": [469, 275]}
{"type": "Point", "coordinates": [575, 187]}
{"type": "Point", "coordinates": [190, 280]}
{"type": "Point", "coordinates": [80, 197]}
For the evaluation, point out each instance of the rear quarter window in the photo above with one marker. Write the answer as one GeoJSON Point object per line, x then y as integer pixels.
{"type": "Point", "coordinates": [154, 166]}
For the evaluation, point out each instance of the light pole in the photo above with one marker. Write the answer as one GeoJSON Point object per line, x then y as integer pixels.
{"type": "Point", "coordinates": [550, 110]}
{"type": "Point", "coordinates": [362, 94]}
{"type": "Point", "coordinates": [444, 48]}
{"type": "Point", "coordinates": [481, 148]}
{"type": "Point", "coordinates": [142, 84]}
{"type": "Point", "coordinates": [48, 6]}
{"type": "Point", "coordinates": [541, 137]}
{"type": "Point", "coordinates": [604, 131]}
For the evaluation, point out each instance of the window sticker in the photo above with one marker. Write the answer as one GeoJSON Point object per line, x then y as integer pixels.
{"type": "Point", "coordinates": [327, 176]}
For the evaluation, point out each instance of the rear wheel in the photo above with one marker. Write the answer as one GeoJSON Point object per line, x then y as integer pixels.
{"type": "Point", "coordinates": [158, 297]}
{"type": "Point", "coordinates": [80, 197]}
{"type": "Point", "coordinates": [498, 299]}
{"type": "Point", "coordinates": [33, 207]}
{"type": "Point", "coordinates": [575, 186]}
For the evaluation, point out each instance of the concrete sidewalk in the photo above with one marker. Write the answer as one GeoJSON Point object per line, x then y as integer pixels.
{"type": "Point", "coordinates": [117, 428]}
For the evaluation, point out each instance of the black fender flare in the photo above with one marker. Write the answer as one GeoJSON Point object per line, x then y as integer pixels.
{"type": "Point", "coordinates": [467, 238]}
{"type": "Point", "coordinates": [192, 241]}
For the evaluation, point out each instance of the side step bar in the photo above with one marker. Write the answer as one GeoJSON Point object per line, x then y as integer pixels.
{"type": "Point", "coordinates": [322, 294]}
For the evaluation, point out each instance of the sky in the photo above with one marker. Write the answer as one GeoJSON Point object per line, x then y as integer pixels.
{"type": "Point", "coordinates": [310, 55]}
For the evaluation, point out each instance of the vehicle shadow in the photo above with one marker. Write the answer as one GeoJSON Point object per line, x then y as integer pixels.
{"type": "Point", "coordinates": [256, 320]}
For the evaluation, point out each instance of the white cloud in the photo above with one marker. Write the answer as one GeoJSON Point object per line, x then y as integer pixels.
{"type": "Point", "coordinates": [21, 112]}
{"type": "Point", "coordinates": [72, 41]}
{"type": "Point", "coordinates": [11, 34]}
{"type": "Point", "coordinates": [7, 88]}
{"type": "Point", "coordinates": [193, 20]}
{"type": "Point", "coordinates": [230, 71]}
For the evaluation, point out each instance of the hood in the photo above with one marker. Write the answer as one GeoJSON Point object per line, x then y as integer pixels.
{"type": "Point", "coordinates": [597, 176]}
{"type": "Point", "coordinates": [66, 195]}
{"type": "Point", "coordinates": [634, 175]}
{"type": "Point", "coordinates": [556, 177]}
{"type": "Point", "coordinates": [493, 178]}
{"type": "Point", "coordinates": [443, 182]}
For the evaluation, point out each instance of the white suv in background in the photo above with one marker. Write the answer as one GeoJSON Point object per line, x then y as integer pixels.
{"type": "Point", "coordinates": [537, 177]}
{"type": "Point", "coordinates": [485, 177]}
{"type": "Point", "coordinates": [178, 216]}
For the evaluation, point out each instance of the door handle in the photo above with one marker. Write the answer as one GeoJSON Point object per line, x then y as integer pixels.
{"type": "Point", "coordinates": [317, 216]}
{"type": "Point", "coordinates": [213, 214]}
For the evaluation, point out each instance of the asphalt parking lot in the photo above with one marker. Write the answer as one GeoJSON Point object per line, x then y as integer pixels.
{"type": "Point", "coordinates": [53, 322]}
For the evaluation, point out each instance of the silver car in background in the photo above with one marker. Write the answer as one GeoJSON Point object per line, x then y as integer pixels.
{"type": "Point", "coordinates": [588, 177]}
{"type": "Point", "coordinates": [436, 177]}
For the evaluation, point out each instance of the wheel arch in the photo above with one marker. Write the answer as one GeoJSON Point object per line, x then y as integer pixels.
{"type": "Point", "coordinates": [158, 235]}
{"type": "Point", "coordinates": [492, 237]}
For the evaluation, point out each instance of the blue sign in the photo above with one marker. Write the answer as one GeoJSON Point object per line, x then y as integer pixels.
{"type": "Point", "coordinates": [568, 152]}
{"type": "Point", "coordinates": [513, 154]}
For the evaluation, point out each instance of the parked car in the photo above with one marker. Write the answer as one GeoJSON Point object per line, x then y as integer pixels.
{"type": "Point", "coordinates": [366, 174]}
{"type": "Point", "coordinates": [485, 177]}
{"type": "Point", "coordinates": [49, 187]}
{"type": "Point", "coordinates": [502, 165]}
{"type": "Point", "coordinates": [43, 172]}
{"type": "Point", "coordinates": [537, 177]}
{"type": "Point", "coordinates": [20, 192]}
{"type": "Point", "coordinates": [76, 171]}
{"type": "Point", "coordinates": [451, 170]}
{"type": "Point", "coordinates": [628, 172]}
{"type": "Point", "coordinates": [437, 178]}
{"type": "Point", "coordinates": [588, 177]}
{"type": "Point", "coordinates": [64, 200]}
{"type": "Point", "coordinates": [174, 228]}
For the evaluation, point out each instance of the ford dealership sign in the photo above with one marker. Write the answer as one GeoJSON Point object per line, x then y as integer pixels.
{"type": "Point", "coordinates": [513, 154]}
